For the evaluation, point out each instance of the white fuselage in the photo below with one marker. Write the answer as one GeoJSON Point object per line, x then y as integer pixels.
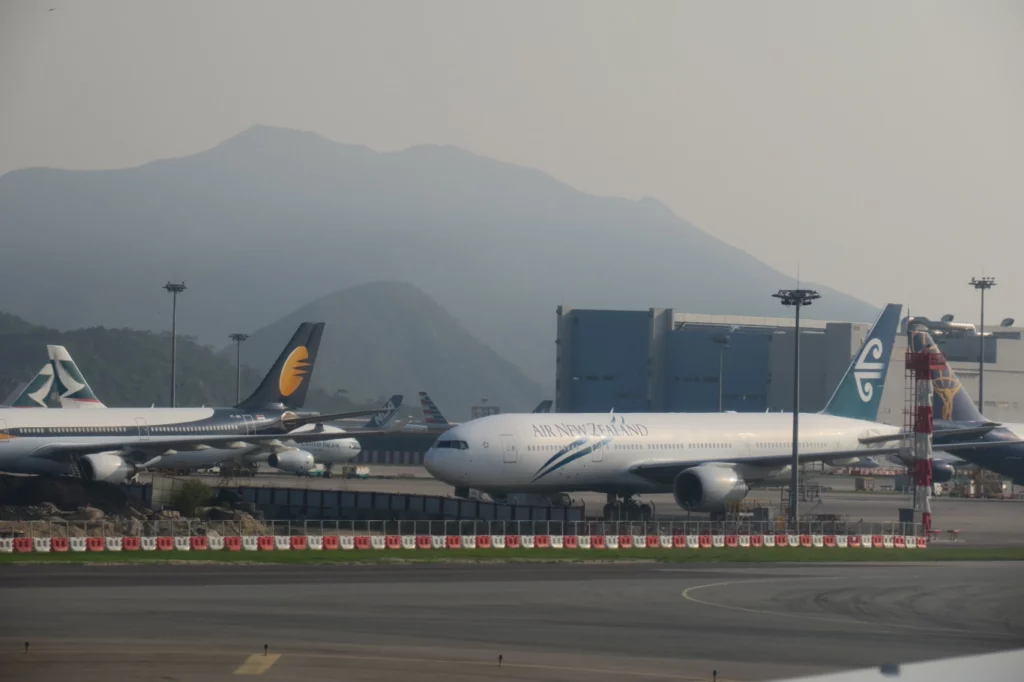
{"type": "Point", "coordinates": [23, 432]}
{"type": "Point", "coordinates": [595, 452]}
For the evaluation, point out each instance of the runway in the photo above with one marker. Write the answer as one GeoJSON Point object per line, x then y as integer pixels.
{"type": "Point", "coordinates": [451, 621]}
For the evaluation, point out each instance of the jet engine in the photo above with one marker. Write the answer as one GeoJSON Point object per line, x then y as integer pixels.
{"type": "Point", "coordinates": [293, 461]}
{"type": "Point", "coordinates": [708, 488]}
{"type": "Point", "coordinates": [942, 472]}
{"type": "Point", "coordinates": [106, 466]}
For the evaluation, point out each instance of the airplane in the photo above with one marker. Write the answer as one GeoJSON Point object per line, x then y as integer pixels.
{"type": "Point", "coordinates": [112, 444]}
{"type": "Point", "coordinates": [543, 408]}
{"type": "Point", "coordinates": [705, 460]}
{"type": "Point", "coordinates": [999, 449]}
{"type": "Point", "coordinates": [433, 420]}
{"type": "Point", "coordinates": [73, 389]}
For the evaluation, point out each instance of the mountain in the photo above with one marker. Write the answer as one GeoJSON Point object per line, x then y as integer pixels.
{"type": "Point", "coordinates": [273, 218]}
{"type": "Point", "coordinates": [390, 337]}
{"type": "Point", "coordinates": [128, 368]}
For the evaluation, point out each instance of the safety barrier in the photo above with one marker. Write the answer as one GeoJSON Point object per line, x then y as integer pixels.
{"type": "Point", "coordinates": [451, 542]}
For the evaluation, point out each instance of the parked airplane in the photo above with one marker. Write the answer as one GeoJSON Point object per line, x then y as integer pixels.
{"type": "Point", "coordinates": [433, 420]}
{"type": "Point", "coordinates": [705, 460]}
{"type": "Point", "coordinates": [73, 389]}
{"type": "Point", "coordinates": [999, 449]}
{"type": "Point", "coordinates": [112, 444]}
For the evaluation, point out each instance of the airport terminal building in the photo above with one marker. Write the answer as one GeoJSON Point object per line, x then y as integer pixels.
{"type": "Point", "coordinates": [659, 360]}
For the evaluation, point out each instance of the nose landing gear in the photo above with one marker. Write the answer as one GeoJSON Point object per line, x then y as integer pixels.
{"type": "Point", "coordinates": [625, 508]}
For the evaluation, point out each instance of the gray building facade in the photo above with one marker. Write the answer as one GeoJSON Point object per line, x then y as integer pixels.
{"type": "Point", "coordinates": [659, 360]}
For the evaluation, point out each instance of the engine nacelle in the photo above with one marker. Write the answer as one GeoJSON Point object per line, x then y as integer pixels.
{"type": "Point", "coordinates": [942, 472]}
{"type": "Point", "coordinates": [108, 467]}
{"type": "Point", "coordinates": [708, 488]}
{"type": "Point", "coordinates": [293, 461]}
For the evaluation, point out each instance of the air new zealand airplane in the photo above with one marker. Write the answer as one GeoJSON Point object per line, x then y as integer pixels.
{"type": "Point", "coordinates": [112, 444]}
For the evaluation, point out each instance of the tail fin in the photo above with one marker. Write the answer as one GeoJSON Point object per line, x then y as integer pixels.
{"type": "Point", "coordinates": [431, 415]}
{"type": "Point", "coordinates": [382, 419]}
{"type": "Point", "coordinates": [74, 390]}
{"type": "Point", "coordinates": [860, 392]}
{"type": "Point", "coordinates": [287, 382]}
{"type": "Point", "coordinates": [34, 392]}
{"type": "Point", "coordinates": [950, 401]}
{"type": "Point", "coordinates": [543, 408]}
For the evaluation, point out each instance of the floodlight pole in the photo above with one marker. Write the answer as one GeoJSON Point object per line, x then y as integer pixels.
{"type": "Point", "coordinates": [798, 298]}
{"type": "Point", "coordinates": [982, 284]}
{"type": "Point", "coordinates": [238, 338]}
{"type": "Point", "coordinates": [174, 289]}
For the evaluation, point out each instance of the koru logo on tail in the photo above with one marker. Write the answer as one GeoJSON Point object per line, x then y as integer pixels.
{"type": "Point", "coordinates": [868, 369]}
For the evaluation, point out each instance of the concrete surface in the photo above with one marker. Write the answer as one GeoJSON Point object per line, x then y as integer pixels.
{"type": "Point", "coordinates": [450, 622]}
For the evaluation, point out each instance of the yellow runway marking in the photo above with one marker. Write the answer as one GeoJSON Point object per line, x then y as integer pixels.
{"type": "Point", "coordinates": [257, 664]}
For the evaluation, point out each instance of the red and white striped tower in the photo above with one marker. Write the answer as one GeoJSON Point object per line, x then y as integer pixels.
{"type": "Point", "coordinates": [919, 370]}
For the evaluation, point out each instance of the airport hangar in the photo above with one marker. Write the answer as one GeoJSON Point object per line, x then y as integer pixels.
{"type": "Point", "coordinates": [659, 360]}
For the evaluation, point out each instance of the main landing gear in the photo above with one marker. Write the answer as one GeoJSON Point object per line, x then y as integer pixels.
{"type": "Point", "coordinates": [625, 508]}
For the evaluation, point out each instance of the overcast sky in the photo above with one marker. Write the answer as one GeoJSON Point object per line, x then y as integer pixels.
{"type": "Point", "coordinates": [878, 145]}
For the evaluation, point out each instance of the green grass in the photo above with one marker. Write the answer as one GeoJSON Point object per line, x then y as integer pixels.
{"type": "Point", "coordinates": [764, 554]}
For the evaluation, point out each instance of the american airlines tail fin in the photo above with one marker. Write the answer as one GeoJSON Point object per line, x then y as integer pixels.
{"type": "Point", "coordinates": [431, 415]}
{"type": "Point", "coordinates": [34, 392]}
{"type": "Point", "coordinates": [543, 408]}
{"type": "Point", "coordinates": [950, 401]}
{"type": "Point", "coordinates": [72, 387]}
{"type": "Point", "coordinates": [860, 392]}
{"type": "Point", "coordinates": [382, 419]}
{"type": "Point", "coordinates": [287, 382]}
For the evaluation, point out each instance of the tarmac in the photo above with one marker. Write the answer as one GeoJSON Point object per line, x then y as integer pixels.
{"type": "Point", "coordinates": [591, 622]}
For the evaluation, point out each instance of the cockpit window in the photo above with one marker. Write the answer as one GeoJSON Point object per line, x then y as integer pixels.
{"type": "Point", "coordinates": [453, 444]}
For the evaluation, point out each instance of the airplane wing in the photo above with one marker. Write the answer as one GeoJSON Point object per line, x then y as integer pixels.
{"type": "Point", "coordinates": [145, 450]}
{"type": "Point", "coordinates": [292, 423]}
{"type": "Point", "coordinates": [944, 433]}
{"type": "Point", "coordinates": [665, 472]}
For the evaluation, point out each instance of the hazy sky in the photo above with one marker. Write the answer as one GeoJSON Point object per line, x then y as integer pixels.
{"type": "Point", "coordinates": [877, 144]}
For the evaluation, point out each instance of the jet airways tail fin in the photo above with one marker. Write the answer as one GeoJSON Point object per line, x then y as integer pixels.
{"type": "Point", "coordinates": [431, 415]}
{"type": "Point", "coordinates": [74, 390]}
{"type": "Point", "coordinates": [860, 392]}
{"type": "Point", "coordinates": [382, 419]}
{"type": "Point", "coordinates": [543, 408]}
{"type": "Point", "coordinates": [287, 382]}
{"type": "Point", "coordinates": [34, 392]}
{"type": "Point", "coordinates": [950, 401]}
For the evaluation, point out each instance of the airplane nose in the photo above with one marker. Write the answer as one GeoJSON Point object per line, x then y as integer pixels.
{"type": "Point", "coordinates": [430, 462]}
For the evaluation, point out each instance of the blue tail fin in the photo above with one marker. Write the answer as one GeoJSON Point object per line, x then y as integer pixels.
{"type": "Point", "coordinates": [950, 401]}
{"type": "Point", "coordinates": [382, 419]}
{"type": "Point", "coordinates": [431, 415]}
{"type": "Point", "coordinates": [860, 392]}
{"type": "Point", "coordinates": [288, 380]}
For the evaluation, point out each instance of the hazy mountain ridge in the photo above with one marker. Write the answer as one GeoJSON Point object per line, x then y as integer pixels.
{"type": "Point", "coordinates": [390, 337]}
{"type": "Point", "coordinates": [273, 218]}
